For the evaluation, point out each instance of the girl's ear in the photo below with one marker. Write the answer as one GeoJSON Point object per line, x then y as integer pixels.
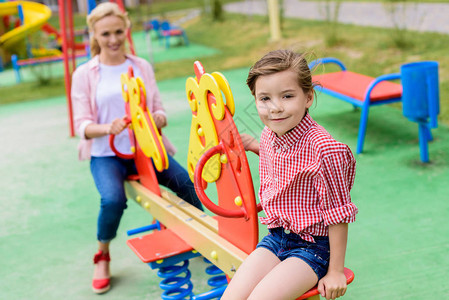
{"type": "Point", "coordinates": [309, 100]}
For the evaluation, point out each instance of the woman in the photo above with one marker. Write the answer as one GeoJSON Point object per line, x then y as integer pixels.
{"type": "Point", "coordinates": [98, 112]}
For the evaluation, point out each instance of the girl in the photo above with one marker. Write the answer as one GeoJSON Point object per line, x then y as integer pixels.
{"type": "Point", "coordinates": [98, 112]}
{"type": "Point", "coordinates": [305, 180]}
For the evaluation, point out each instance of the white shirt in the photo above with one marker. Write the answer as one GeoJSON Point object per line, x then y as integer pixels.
{"type": "Point", "coordinates": [111, 106]}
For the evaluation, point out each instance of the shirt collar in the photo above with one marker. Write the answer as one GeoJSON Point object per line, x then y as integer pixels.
{"type": "Point", "coordinates": [94, 63]}
{"type": "Point", "coordinates": [290, 138]}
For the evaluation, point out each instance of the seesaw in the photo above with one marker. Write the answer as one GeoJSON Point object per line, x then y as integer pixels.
{"type": "Point", "coordinates": [216, 155]}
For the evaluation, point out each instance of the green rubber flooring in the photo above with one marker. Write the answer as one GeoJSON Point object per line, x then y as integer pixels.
{"type": "Point", "coordinates": [398, 247]}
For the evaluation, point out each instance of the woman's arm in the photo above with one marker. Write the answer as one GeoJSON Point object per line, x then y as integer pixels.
{"type": "Point", "coordinates": [94, 130]}
{"type": "Point", "coordinates": [81, 102]}
{"type": "Point", "coordinates": [333, 285]}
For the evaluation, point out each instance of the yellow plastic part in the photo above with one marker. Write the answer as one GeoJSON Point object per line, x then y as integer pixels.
{"type": "Point", "coordinates": [238, 201]}
{"type": "Point", "coordinates": [143, 126]}
{"type": "Point", "coordinates": [226, 89]}
{"type": "Point", "coordinates": [223, 159]}
{"type": "Point", "coordinates": [35, 15]}
{"type": "Point", "coordinates": [203, 134]}
{"type": "Point", "coordinates": [202, 131]}
{"type": "Point", "coordinates": [214, 255]}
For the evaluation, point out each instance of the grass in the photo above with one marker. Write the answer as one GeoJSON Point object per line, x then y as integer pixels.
{"type": "Point", "coordinates": [242, 40]}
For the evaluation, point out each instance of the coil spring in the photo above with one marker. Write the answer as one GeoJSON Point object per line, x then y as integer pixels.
{"type": "Point", "coordinates": [218, 278]}
{"type": "Point", "coordinates": [217, 282]}
{"type": "Point", "coordinates": [176, 287]}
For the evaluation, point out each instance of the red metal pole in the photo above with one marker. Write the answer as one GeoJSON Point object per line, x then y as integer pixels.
{"type": "Point", "coordinates": [67, 74]}
{"type": "Point", "coordinates": [71, 35]}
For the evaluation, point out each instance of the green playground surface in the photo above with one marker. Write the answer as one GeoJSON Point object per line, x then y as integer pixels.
{"type": "Point", "coordinates": [397, 247]}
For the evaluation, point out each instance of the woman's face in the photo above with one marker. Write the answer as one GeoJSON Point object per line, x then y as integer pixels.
{"type": "Point", "coordinates": [110, 35]}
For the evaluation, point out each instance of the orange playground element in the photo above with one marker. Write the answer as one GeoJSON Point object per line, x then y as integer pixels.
{"type": "Point", "coordinates": [146, 140]}
{"type": "Point", "coordinates": [236, 209]}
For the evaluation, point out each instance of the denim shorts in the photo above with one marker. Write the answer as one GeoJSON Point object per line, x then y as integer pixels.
{"type": "Point", "coordinates": [285, 244]}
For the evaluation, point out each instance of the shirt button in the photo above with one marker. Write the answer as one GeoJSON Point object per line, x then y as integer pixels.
{"type": "Point", "coordinates": [285, 146]}
{"type": "Point", "coordinates": [287, 231]}
{"type": "Point", "coordinates": [278, 150]}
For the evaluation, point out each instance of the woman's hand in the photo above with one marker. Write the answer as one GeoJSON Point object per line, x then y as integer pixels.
{"type": "Point", "coordinates": [117, 126]}
{"type": "Point", "coordinates": [160, 120]}
{"type": "Point", "coordinates": [333, 285]}
{"type": "Point", "coordinates": [249, 143]}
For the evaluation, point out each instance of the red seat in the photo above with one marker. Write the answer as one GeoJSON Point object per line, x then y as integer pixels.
{"type": "Point", "coordinates": [314, 291]}
{"type": "Point", "coordinates": [158, 245]}
{"type": "Point", "coordinates": [355, 85]}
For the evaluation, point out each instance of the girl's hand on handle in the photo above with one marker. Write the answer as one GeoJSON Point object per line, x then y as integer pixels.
{"type": "Point", "coordinates": [249, 143]}
{"type": "Point", "coordinates": [117, 126]}
{"type": "Point", "coordinates": [333, 285]}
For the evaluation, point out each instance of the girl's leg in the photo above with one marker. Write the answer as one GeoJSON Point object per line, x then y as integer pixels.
{"type": "Point", "coordinates": [258, 264]}
{"type": "Point", "coordinates": [287, 280]}
{"type": "Point", "coordinates": [177, 179]}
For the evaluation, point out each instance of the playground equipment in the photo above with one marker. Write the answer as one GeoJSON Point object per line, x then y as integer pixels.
{"type": "Point", "coordinates": [169, 31]}
{"type": "Point", "coordinates": [165, 31]}
{"type": "Point", "coordinates": [419, 94]}
{"type": "Point", "coordinates": [33, 16]}
{"type": "Point", "coordinates": [216, 154]}
{"type": "Point", "coordinates": [44, 55]}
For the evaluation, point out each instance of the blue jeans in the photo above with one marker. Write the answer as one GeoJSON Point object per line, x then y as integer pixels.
{"type": "Point", "coordinates": [288, 244]}
{"type": "Point", "coordinates": [109, 174]}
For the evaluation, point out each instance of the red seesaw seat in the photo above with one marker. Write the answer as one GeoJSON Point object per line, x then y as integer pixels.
{"type": "Point", "coordinates": [314, 291]}
{"type": "Point", "coordinates": [158, 245]}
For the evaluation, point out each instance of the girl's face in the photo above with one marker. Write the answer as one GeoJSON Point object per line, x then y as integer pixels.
{"type": "Point", "coordinates": [110, 35]}
{"type": "Point", "coordinates": [280, 101]}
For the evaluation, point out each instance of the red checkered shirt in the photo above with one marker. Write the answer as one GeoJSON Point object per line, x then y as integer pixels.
{"type": "Point", "coordinates": [305, 179]}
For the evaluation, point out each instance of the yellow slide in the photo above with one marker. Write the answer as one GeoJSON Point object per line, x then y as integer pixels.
{"type": "Point", "coordinates": [35, 15]}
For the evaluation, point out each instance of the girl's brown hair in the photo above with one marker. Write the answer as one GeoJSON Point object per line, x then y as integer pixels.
{"type": "Point", "coordinates": [103, 10]}
{"type": "Point", "coordinates": [278, 61]}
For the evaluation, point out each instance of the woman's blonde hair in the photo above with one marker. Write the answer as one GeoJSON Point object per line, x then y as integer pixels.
{"type": "Point", "coordinates": [278, 61]}
{"type": "Point", "coordinates": [104, 10]}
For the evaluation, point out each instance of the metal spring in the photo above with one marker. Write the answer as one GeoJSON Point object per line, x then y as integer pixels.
{"type": "Point", "coordinates": [175, 287]}
{"type": "Point", "coordinates": [217, 279]}
{"type": "Point", "coordinates": [217, 282]}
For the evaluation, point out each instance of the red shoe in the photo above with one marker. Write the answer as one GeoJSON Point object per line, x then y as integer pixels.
{"type": "Point", "coordinates": [102, 285]}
